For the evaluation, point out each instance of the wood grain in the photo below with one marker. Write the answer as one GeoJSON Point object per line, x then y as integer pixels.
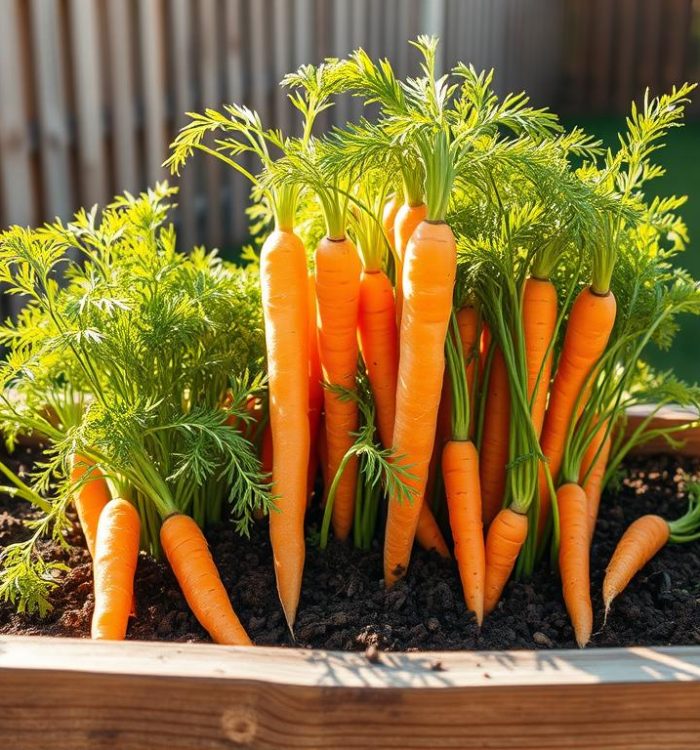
{"type": "Point", "coordinates": [61, 693]}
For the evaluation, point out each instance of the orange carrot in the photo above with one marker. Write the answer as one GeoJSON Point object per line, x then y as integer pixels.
{"type": "Point", "coordinates": [574, 559]}
{"type": "Point", "coordinates": [428, 279]}
{"type": "Point", "coordinates": [115, 558]}
{"type": "Point", "coordinates": [460, 469]}
{"type": "Point", "coordinates": [407, 219]}
{"type": "Point", "coordinates": [285, 300]}
{"type": "Point", "coordinates": [338, 292]}
{"type": "Point", "coordinates": [428, 533]}
{"type": "Point", "coordinates": [90, 498]}
{"type": "Point", "coordinates": [493, 455]}
{"type": "Point", "coordinates": [315, 389]}
{"type": "Point", "coordinates": [640, 542]}
{"type": "Point", "coordinates": [468, 324]}
{"type": "Point", "coordinates": [379, 345]}
{"type": "Point", "coordinates": [592, 472]}
{"type": "Point", "coordinates": [539, 324]}
{"type": "Point", "coordinates": [504, 540]}
{"type": "Point", "coordinates": [189, 557]}
{"type": "Point", "coordinates": [590, 323]}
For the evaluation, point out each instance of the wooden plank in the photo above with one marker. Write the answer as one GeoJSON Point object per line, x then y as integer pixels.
{"type": "Point", "coordinates": [88, 89]}
{"type": "Point", "coordinates": [666, 417]}
{"type": "Point", "coordinates": [123, 96]}
{"type": "Point", "coordinates": [342, 28]}
{"type": "Point", "coordinates": [15, 169]}
{"type": "Point", "coordinates": [153, 85]}
{"type": "Point", "coordinates": [624, 55]}
{"type": "Point", "coordinates": [54, 135]}
{"type": "Point", "coordinates": [282, 19]}
{"type": "Point", "coordinates": [183, 97]}
{"type": "Point", "coordinates": [208, 54]}
{"type": "Point", "coordinates": [64, 693]}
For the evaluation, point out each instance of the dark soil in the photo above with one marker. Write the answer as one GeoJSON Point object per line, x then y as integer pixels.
{"type": "Point", "coordinates": [345, 606]}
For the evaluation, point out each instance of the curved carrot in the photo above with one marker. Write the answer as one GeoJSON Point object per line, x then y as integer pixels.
{"type": "Point", "coordinates": [428, 280]}
{"type": "Point", "coordinates": [640, 542]}
{"type": "Point", "coordinates": [115, 559]}
{"type": "Point", "coordinates": [428, 533]}
{"type": "Point", "coordinates": [539, 324]}
{"type": "Point", "coordinates": [285, 301]}
{"type": "Point", "coordinates": [590, 323]}
{"type": "Point", "coordinates": [380, 348]}
{"type": "Point", "coordinates": [90, 498]}
{"type": "Point", "coordinates": [407, 220]}
{"type": "Point", "coordinates": [574, 559]}
{"type": "Point", "coordinates": [592, 472]}
{"type": "Point", "coordinates": [468, 325]}
{"type": "Point", "coordinates": [338, 292]}
{"type": "Point", "coordinates": [391, 208]}
{"type": "Point", "coordinates": [315, 389]}
{"type": "Point", "coordinates": [460, 469]}
{"type": "Point", "coordinates": [494, 451]}
{"type": "Point", "coordinates": [189, 557]}
{"type": "Point", "coordinates": [504, 540]}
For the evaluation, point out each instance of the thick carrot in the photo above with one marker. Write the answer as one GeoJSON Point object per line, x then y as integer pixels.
{"type": "Point", "coordinates": [90, 498]}
{"type": "Point", "coordinates": [574, 559]}
{"type": "Point", "coordinates": [189, 557]}
{"type": "Point", "coordinates": [408, 217]}
{"type": "Point", "coordinates": [315, 389]}
{"type": "Point", "coordinates": [460, 469]}
{"type": "Point", "coordinates": [338, 293]}
{"type": "Point", "coordinates": [380, 348]}
{"type": "Point", "coordinates": [640, 542]}
{"type": "Point", "coordinates": [590, 323]}
{"type": "Point", "coordinates": [285, 300]}
{"type": "Point", "coordinates": [428, 533]}
{"type": "Point", "coordinates": [391, 208]}
{"type": "Point", "coordinates": [493, 454]}
{"type": "Point", "coordinates": [115, 559]}
{"type": "Point", "coordinates": [592, 472]}
{"type": "Point", "coordinates": [428, 280]}
{"type": "Point", "coordinates": [504, 540]}
{"type": "Point", "coordinates": [539, 324]}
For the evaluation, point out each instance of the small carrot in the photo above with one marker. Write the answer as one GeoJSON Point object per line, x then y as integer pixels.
{"type": "Point", "coordinates": [428, 533]}
{"type": "Point", "coordinates": [468, 324]}
{"type": "Point", "coordinates": [593, 466]}
{"type": "Point", "coordinates": [115, 558]}
{"type": "Point", "coordinates": [504, 540]}
{"type": "Point", "coordinates": [90, 498]}
{"type": "Point", "coordinates": [574, 559]}
{"type": "Point", "coordinates": [189, 557]}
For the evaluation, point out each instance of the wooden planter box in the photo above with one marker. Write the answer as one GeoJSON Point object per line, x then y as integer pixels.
{"type": "Point", "coordinates": [72, 694]}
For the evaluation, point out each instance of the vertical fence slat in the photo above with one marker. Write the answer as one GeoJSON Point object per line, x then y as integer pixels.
{"type": "Point", "coordinates": [211, 97]}
{"type": "Point", "coordinates": [259, 57]}
{"type": "Point", "coordinates": [54, 136]}
{"type": "Point", "coordinates": [282, 63]}
{"type": "Point", "coordinates": [88, 88]}
{"type": "Point", "coordinates": [123, 96]}
{"type": "Point", "coordinates": [181, 21]}
{"type": "Point", "coordinates": [153, 84]}
{"type": "Point", "coordinates": [341, 47]}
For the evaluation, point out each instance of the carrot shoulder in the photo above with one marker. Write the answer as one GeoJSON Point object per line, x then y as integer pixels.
{"type": "Point", "coordinates": [90, 498]}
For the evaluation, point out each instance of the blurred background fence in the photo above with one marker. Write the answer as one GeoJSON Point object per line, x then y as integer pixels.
{"type": "Point", "coordinates": [92, 91]}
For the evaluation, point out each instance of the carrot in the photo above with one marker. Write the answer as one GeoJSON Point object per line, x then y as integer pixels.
{"type": "Point", "coordinates": [391, 208]}
{"type": "Point", "coordinates": [428, 533]}
{"type": "Point", "coordinates": [468, 324]}
{"type": "Point", "coordinates": [574, 559]}
{"type": "Point", "coordinates": [90, 498]}
{"type": "Point", "coordinates": [428, 279]}
{"type": "Point", "coordinates": [407, 219]}
{"type": "Point", "coordinates": [379, 345]}
{"type": "Point", "coordinates": [285, 300]}
{"type": "Point", "coordinates": [640, 542]}
{"type": "Point", "coordinates": [484, 346]}
{"type": "Point", "coordinates": [493, 454]}
{"type": "Point", "coordinates": [115, 558]}
{"type": "Point", "coordinates": [189, 557]}
{"type": "Point", "coordinates": [504, 540]}
{"type": "Point", "coordinates": [593, 466]}
{"type": "Point", "coordinates": [338, 292]}
{"type": "Point", "coordinates": [315, 389]}
{"type": "Point", "coordinates": [590, 323]}
{"type": "Point", "coordinates": [539, 324]}
{"type": "Point", "coordinates": [460, 469]}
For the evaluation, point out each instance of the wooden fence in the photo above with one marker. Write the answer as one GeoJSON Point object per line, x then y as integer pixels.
{"type": "Point", "coordinates": [91, 91]}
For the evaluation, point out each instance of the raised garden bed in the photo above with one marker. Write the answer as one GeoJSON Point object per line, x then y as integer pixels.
{"type": "Point", "coordinates": [195, 695]}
